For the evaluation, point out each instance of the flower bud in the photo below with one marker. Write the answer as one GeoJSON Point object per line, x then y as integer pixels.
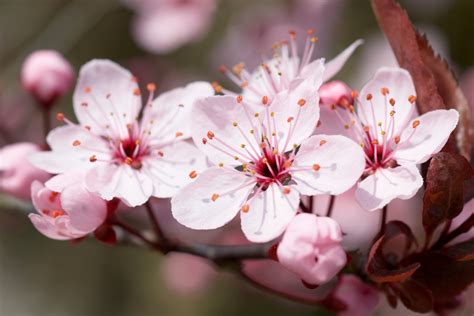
{"type": "Point", "coordinates": [335, 92]}
{"type": "Point", "coordinates": [46, 75]}
{"type": "Point", "coordinates": [16, 172]}
{"type": "Point", "coordinates": [311, 248]}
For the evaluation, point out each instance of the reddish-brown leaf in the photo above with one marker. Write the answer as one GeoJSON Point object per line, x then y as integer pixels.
{"type": "Point", "coordinates": [415, 296]}
{"type": "Point", "coordinates": [464, 251]}
{"type": "Point", "coordinates": [444, 194]}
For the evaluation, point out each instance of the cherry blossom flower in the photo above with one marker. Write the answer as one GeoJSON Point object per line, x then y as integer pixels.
{"type": "Point", "coordinates": [394, 138]}
{"type": "Point", "coordinates": [360, 298]}
{"type": "Point", "coordinates": [119, 155]}
{"type": "Point", "coordinates": [265, 160]}
{"type": "Point", "coordinates": [16, 172]}
{"type": "Point", "coordinates": [311, 247]}
{"type": "Point", "coordinates": [71, 214]}
{"type": "Point", "coordinates": [165, 25]}
{"type": "Point", "coordinates": [284, 69]}
{"type": "Point", "coordinates": [47, 76]}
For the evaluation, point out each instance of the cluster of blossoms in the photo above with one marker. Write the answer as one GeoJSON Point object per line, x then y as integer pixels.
{"type": "Point", "coordinates": [259, 152]}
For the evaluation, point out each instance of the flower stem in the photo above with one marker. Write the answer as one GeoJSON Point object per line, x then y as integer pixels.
{"type": "Point", "coordinates": [332, 199]}
{"type": "Point", "coordinates": [163, 242]}
{"type": "Point", "coordinates": [46, 121]}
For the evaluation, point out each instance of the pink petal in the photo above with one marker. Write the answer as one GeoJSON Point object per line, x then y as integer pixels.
{"type": "Point", "coordinates": [378, 189]}
{"type": "Point", "coordinates": [72, 146]}
{"type": "Point", "coordinates": [171, 111]}
{"type": "Point", "coordinates": [193, 205]}
{"type": "Point", "coordinates": [86, 210]}
{"type": "Point", "coordinates": [104, 87]}
{"type": "Point", "coordinates": [43, 198]}
{"type": "Point", "coordinates": [400, 87]}
{"type": "Point", "coordinates": [132, 186]}
{"type": "Point", "coordinates": [61, 181]}
{"type": "Point", "coordinates": [428, 138]}
{"type": "Point", "coordinates": [330, 122]}
{"type": "Point", "coordinates": [334, 66]}
{"type": "Point", "coordinates": [47, 228]}
{"type": "Point", "coordinates": [361, 298]}
{"type": "Point", "coordinates": [297, 107]}
{"type": "Point", "coordinates": [269, 213]}
{"type": "Point", "coordinates": [172, 171]}
{"type": "Point", "coordinates": [339, 162]}
{"type": "Point", "coordinates": [217, 114]}
{"type": "Point", "coordinates": [314, 72]}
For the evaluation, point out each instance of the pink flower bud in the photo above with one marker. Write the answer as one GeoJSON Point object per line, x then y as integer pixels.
{"type": "Point", "coordinates": [16, 172]}
{"type": "Point", "coordinates": [361, 299]}
{"type": "Point", "coordinates": [311, 248]}
{"type": "Point", "coordinates": [335, 92]}
{"type": "Point", "coordinates": [47, 76]}
{"type": "Point", "coordinates": [71, 214]}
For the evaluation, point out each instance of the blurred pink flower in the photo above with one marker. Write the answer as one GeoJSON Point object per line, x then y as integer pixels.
{"type": "Point", "coordinates": [335, 93]}
{"type": "Point", "coordinates": [360, 298]}
{"type": "Point", "coordinates": [186, 274]}
{"type": "Point", "coordinates": [394, 138]}
{"type": "Point", "coordinates": [71, 214]}
{"type": "Point", "coordinates": [311, 248]}
{"type": "Point", "coordinates": [47, 76]}
{"type": "Point", "coordinates": [119, 156]}
{"type": "Point", "coordinates": [162, 26]}
{"type": "Point", "coordinates": [259, 169]}
{"type": "Point", "coordinates": [16, 172]}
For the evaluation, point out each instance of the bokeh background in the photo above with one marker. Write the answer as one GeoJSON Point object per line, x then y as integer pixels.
{"type": "Point", "coordinates": [44, 277]}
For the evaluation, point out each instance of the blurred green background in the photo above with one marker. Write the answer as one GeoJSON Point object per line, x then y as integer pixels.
{"type": "Point", "coordinates": [44, 277]}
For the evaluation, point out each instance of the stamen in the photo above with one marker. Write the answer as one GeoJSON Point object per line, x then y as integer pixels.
{"type": "Point", "coordinates": [193, 174]}
{"type": "Point", "coordinates": [245, 208]}
{"type": "Point", "coordinates": [412, 99]}
{"type": "Point", "coordinates": [214, 197]}
{"type": "Point", "coordinates": [76, 143]}
{"type": "Point", "coordinates": [416, 123]}
{"type": "Point", "coordinates": [316, 167]}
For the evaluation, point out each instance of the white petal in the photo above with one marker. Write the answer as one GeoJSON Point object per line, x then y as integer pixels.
{"type": "Point", "coordinates": [132, 186]}
{"type": "Point", "coordinates": [172, 171]}
{"type": "Point", "coordinates": [171, 111]}
{"type": "Point", "coordinates": [378, 189]}
{"type": "Point", "coordinates": [428, 138]}
{"type": "Point", "coordinates": [297, 108]}
{"type": "Point", "coordinates": [193, 206]}
{"type": "Point", "coordinates": [340, 160]}
{"type": "Point", "coordinates": [104, 87]}
{"type": "Point", "coordinates": [400, 86]}
{"type": "Point", "coordinates": [217, 114]}
{"type": "Point", "coordinates": [269, 214]}
{"type": "Point", "coordinates": [314, 72]}
{"type": "Point", "coordinates": [334, 66]}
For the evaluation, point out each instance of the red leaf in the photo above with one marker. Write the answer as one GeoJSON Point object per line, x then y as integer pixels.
{"type": "Point", "coordinates": [415, 296]}
{"type": "Point", "coordinates": [106, 234]}
{"type": "Point", "coordinates": [435, 84]}
{"type": "Point", "coordinates": [463, 251]}
{"type": "Point", "coordinates": [378, 268]}
{"type": "Point", "coordinates": [444, 195]}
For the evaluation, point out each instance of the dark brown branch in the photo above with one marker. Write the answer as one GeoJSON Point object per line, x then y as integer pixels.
{"type": "Point", "coordinates": [162, 241]}
{"type": "Point", "coordinates": [220, 253]}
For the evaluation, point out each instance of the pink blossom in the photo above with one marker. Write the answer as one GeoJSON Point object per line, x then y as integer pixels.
{"type": "Point", "coordinates": [335, 92]}
{"type": "Point", "coordinates": [285, 70]}
{"type": "Point", "coordinates": [265, 159]}
{"type": "Point", "coordinates": [47, 76]}
{"type": "Point", "coordinates": [71, 214]}
{"type": "Point", "coordinates": [165, 25]}
{"type": "Point", "coordinates": [311, 248]}
{"type": "Point", "coordinates": [394, 138]}
{"type": "Point", "coordinates": [360, 298]}
{"type": "Point", "coordinates": [120, 156]}
{"type": "Point", "coordinates": [16, 172]}
{"type": "Point", "coordinates": [186, 274]}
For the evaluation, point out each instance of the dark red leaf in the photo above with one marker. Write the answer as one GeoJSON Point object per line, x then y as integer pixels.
{"type": "Point", "coordinates": [415, 296]}
{"type": "Point", "coordinates": [444, 276]}
{"type": "Point", "coordinates": [381, 270]}
{"type": "Point", "coordinates": [463, 251]}
{"type": "Point", "coordinates": [444, 195]}
{"type": "Point", "coordinates": [435, 84]}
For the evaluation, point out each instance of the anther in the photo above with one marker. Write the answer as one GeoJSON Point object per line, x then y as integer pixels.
{"type": "Point", "coordinates": [265, 100]}
{"type": "Point", "coordinates": [245, 208]}
{"type": "Point", "coordinates": [160, 153]}
{"type": "Point", "coordinates": [412, 99]}
{"type": "Point", "coordinates": [57, 213]}
{"type": "Point", "coordinates": [214, 197]}
{"type": "Point", "coordinates": [310, 31]}
{"type": "Point", "coordinates": [316, 167]}
{"type": "Point", "coordinates": [193, 174]}
{"type": "Point", "coordinates": [221, 164]}
{"type": "Point", "coordinates": [392, 101]}
{"type": "Point", "coordinates": [384, 91]}
{"type": "Point", "coordinates": [291, 118]}
{"type": "Point", "coordinates": [369, 97]}
{"type": "Point", "coordinates": [236, 158]}
{"type": "Point", "coordinates": [179, 134]}
{"type": "Point", "coordinates": [210, 135]}
{"type": "Point", "coordinates": [93, 158]}
{"type": "Point", "coordinates": [313, 39]}
{"type": "Point", "coordinates": [375, 142]}
{"type": "Point", "coordinates": [239, 98]}
{"type": "Point", "coordinates": [128, 161]}
{"type": "Point", "coordinates": [415, 123]}
{"type": "Point", "coordinates": [396, 139]}
{"type": "Point", "coordinates": [292, 34]}
{"type": "Point", "coordinates": [151, 87]}
{"type": "Point", "coordinates": [301, 102]}
{"type": "Point", "coordinates": [204, 141]}
{"type": "Point", "coordinates": [87, 89]}
{"type": "Point", "coordinates": [216, 86]}
{"type": "Point", "coordinates": [286, 190]}
{"type": "Point", "coordinates": [322, 142]}
{"type": "Point", "coordinates": [235, 124]}
{"type": "Point", "coordinates": [76, 143]}
{"type": "Point", "coordinates": [392, 113]}
{"type": "Point", "coordinates": [136, 91]}
{"type": "Point", "coordinates": [60, 116]}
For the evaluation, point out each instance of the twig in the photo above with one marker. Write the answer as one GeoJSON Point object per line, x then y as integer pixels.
{"type": "Point", "coordinates": [464, 227]}
{"type": "Point", "coordinates": [134, 232]}
{"type": "Point", "coordinates": [163, 242]}
{"type": "Point", "coordinates": [46, 120]}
